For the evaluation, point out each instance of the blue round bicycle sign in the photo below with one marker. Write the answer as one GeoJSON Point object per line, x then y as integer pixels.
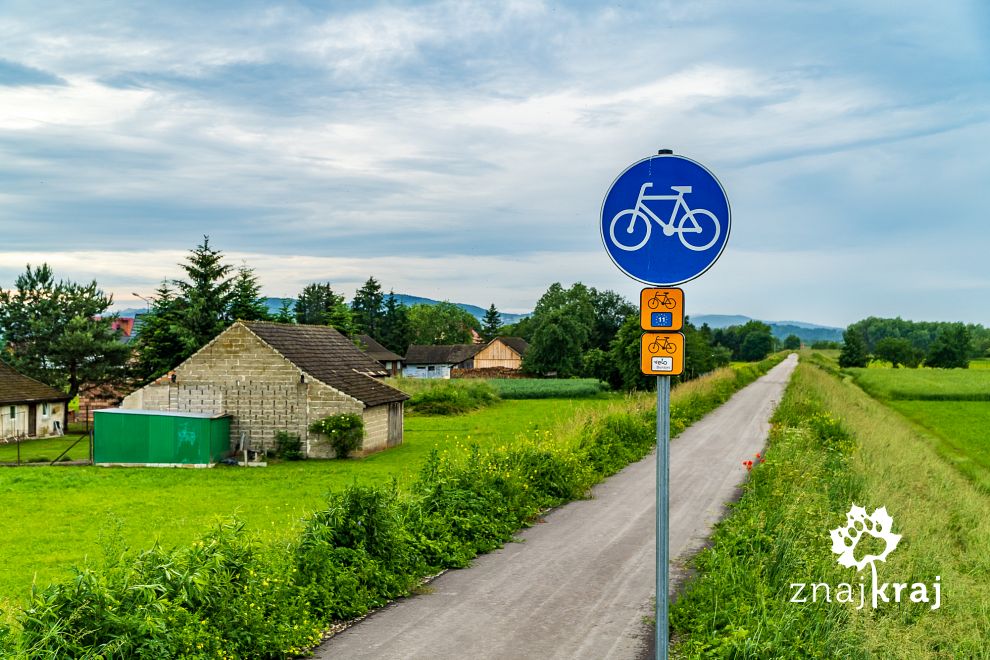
{"type": "Point", "coordinates": [665, 220]}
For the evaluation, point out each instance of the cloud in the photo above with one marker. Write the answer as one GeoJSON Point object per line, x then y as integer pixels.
{"type": "Point", "coordinates": [418, 138]}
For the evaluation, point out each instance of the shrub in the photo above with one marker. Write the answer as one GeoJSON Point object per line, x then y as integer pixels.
{"type": "Point", "coordinates": [288, 446]}
{"type": "Point", "coordinates": [344, 431]}
{"type": "Point", "coordinates": [453, 397]}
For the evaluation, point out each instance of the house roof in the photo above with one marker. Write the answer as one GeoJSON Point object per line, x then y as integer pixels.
{"type": "Point", "coordinates": [518, 344]}
{"type": "Point", "coordinates": [376, 351]}
{"type": "Point", "coordinates": [18, 388]}
{"type": "Point", "coordinates": [329, 357]}
{"type": "Point", "coordinates": [441, 354]}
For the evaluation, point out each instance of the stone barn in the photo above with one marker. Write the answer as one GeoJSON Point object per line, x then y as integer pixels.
{"type": "Point", "coordinates": [280, 377]}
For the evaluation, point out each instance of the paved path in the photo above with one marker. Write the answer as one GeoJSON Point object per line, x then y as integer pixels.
{"type": "Point", "coordinates": [579, 585]}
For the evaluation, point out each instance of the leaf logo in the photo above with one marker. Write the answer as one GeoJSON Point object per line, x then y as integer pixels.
{"type": "Point", "coordinates": [877, 525]}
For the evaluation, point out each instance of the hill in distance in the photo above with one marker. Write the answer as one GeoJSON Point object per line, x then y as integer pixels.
{"type": "Point", "coordinates": [807, 332]}
{"type": "Point", "coordinates": [274, 304]}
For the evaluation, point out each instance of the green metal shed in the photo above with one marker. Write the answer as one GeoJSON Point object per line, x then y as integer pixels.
{"type": "Point", "coordinates": [153, 438]}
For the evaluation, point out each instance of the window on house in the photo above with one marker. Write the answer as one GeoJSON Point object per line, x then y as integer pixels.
{"type": "Point", "coordinates": [44, 410]}
{"type": "Point", "coordinates": [13, 412]}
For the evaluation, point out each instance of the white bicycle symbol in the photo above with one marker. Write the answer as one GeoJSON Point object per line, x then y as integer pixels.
{"type": "Point", "coordinates": [689, 223]}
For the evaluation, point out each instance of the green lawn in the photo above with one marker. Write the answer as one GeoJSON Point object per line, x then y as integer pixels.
{"type": "Point", "coordinates": [925, 384]}
{"type": "Point", "coordinates": [962, 429]}
{"type": "Point", "coordinates": [46, 449]}
{"type": "Point", "coordinates": [52, 517]}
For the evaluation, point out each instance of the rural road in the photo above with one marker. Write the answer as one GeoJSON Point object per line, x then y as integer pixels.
{"type": "Point", "coordinates": [579, 585]}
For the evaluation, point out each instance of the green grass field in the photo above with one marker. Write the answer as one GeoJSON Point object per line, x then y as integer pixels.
{"type": "Point", "coordinates": [832, 446]}
{"type": "Point", "coordinates": [546, 388]}
{"type": "Point", "coordinates": [52, 517]}
{"type": "Point", "coordinates": [925, 384]}
{"type": "Point", "coordinates": [962, 430]}
{"type": "Point", "coordinates": [981, 363]}
{"type": "Point", "coordinates": [47, 449]}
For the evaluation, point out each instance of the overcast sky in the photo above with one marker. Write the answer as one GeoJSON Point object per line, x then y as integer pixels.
{"type": "Point", "coordinates": [461, 150]}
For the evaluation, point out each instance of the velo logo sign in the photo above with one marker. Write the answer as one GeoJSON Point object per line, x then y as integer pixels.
{"type": "Point", "coordinates": [877, 528]}
{"type": "Point", "coordinates": [665, 220]}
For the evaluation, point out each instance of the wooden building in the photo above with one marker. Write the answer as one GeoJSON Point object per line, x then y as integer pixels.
{"type": "Point", "coordinates": [502, 352]}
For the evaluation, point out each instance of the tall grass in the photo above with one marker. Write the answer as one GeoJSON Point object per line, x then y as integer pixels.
{"type": "Point", "coordinates": [832, 446]}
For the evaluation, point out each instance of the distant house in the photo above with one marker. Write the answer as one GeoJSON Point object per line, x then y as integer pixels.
{"type": "Point", "coordinates": [385, 357]}
{"type": "Point", "coordinates": [29, 408]}
{"type": "Point", "coordinates": [503, 353]}
{"type": "Point", "coordinates": [424, 361]}
{"type": "Point", "coordinates": [280, 377]}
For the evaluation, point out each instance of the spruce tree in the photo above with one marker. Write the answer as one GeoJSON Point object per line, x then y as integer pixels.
{"type": "Point", "coordinates": [285, 313]}
{"type": "Point", "coordinates": [207, 292]}
{"type": "Point", "coordinates": [163, 341]}
{"type": "Point", "coordinates": [368, 307]}
{"type": "Point", "coordinates": [491, 324]}
{"type": "Point", "coordinates": [246, 303]}
{"type": "Point", "coordinates": [396, 329]}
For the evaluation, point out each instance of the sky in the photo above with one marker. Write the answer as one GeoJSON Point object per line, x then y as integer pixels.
{"type": "Point", "coordinates": [461, 151]}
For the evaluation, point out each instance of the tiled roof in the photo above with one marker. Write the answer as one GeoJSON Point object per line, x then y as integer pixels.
{"type": "Point", "coordinates": [518, 344]}
{"type": "Point", "coordinates": [330, 357]}
{"type": "Point", "coordinates": [376, 351]}
{"type": "Point", "coordinates": [441, 354]}
{"type": "Point", "coordinates": [18, 388]}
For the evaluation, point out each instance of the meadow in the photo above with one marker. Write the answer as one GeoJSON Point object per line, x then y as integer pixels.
{"type": "Point", "coordinates": [925, 384]}
{"type": "Point", "coordinates": [854, 449]}
{"type": "Point", "coordinates": [53, 517]}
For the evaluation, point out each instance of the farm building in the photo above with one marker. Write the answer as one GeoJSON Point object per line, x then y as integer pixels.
{"type": "Point", "coordinates": [424, 361]}
{"type": "Point", "coordinates": [279, 377]}
{"type": "Point", "coordinates": [29, 408]}
{"type": "Point", "coordinates": [443, 361]}
{"type": "Point", "coordinates": [502, 353]}
{"type": "Point", "coordinates": [385, 357]}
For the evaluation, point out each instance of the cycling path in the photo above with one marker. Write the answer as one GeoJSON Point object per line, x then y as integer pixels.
{"type": "Point", "coordinates": [579, 585]}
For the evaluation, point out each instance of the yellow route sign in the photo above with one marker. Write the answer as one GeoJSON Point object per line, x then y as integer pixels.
{"type": "Point", "coordinates": [662, 354]}
{"type": "Point", "coordinates": [661, 310]}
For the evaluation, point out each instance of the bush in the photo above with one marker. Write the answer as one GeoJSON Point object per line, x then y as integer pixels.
{"type": "Point", "coordinates": [288, 446]}
{"type": "Point", "coordinates": [344, 431]}
{"type": "Point", "coordinates": [446, 397]}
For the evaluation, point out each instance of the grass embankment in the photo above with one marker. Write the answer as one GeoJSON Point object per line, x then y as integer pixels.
{"type": "Point", "coordinates": [950, 403]}
{"type": "Point", "coordinates": [832, 446]}
{"type": "Point", "coordinates": [231, 593]}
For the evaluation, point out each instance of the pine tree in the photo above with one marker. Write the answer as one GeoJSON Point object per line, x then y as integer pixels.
{"type": "Point", "coordinates": [285, 313]}
{"type": "Point", "coordinates": [163, 341]}
{"type": "Point", "coordinates": [491, 324]}
{"type": "Point", "coordinates": [207, 294]}
{"type": "Point", "coordinates": [315, 304]}
{"type": "Point", "coordinates": [246, 303]}
{"type": "Point", "coordinates": [55, 333]}
{"type": "Point", "coordinates": [396, 329]}
{"type": "Point", "coordinates": [368, 308]}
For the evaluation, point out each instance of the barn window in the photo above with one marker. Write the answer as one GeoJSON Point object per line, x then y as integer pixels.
{"type": "Point", "coordinates": [13, 412]}
{"type": "Point", "coordinates": [44, 410]}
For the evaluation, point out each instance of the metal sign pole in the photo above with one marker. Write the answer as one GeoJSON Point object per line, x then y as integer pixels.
{"type": "Point", "coordinates": [663, 513]}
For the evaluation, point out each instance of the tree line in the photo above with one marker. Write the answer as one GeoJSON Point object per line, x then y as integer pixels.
{"type": "Point", "coordinates": [60, 332]}
{"type": "Point", "coordinates": [913, 343]}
